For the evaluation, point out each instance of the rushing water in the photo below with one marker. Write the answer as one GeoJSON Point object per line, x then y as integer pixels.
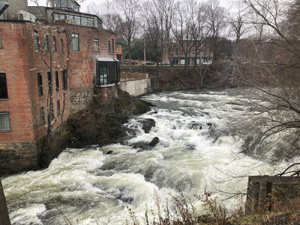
{"type": "Point", "coordinates": [201, 136]}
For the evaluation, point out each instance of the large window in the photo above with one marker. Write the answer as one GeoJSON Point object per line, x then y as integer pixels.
{"type": "Point", "coordinates": [75, 42]}
{"type": "Point", "coordinates": [108, 46]}
{"type": "Point", "coordinates": [4, 121]}
{"type": "Point", "coordinates": [96, 45]}
{"type": "Point", "coordinates": [49, 81]}
{"type": "Point", "coordinates": [58, 107]}
{"type": "Point", "coordinates": [42, 115]}
{"type": "Point", "coordinates": [57, 81]}
{"type": "Point", "coordinates": [60, 3]}
{"type": "Point", "coordinates": [64, 80]}
{"type": "Point", "coordinates": [1, 46]}
{"type": "Point", "coordinates": [54, 43]}
{"type": "Point", "coordinates": [46, 42]}
{"type": "Point", "coordinates": [40, 84]}
{"type": "Point", "coordinates": [3, 86]}
{"type": "Point", "coordinates": [62, 46]}
{"type": "Point", "coordinates": [36, 40]}
{"type": "Point", "coordinates": [113, 45]}
{"type": "Point", "coordinates": [107, 72]}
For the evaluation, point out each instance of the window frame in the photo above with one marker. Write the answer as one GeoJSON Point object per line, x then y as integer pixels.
{"type": "Point", "coordinates": [54, 43]}
{"type": "Point", "coordinates": [64, 80]}
{"type": "Point", "coordinates": [9, 124]}
{"type": "Point", "coordinates": [36, 40]}
{"type": "Point", "coordinates": [62, 45]}
{"type": "Point", "coordinates": [77, 45]}
{"type": "Point", "coordinates": [46, 37]}
{"type": "Point", "coordinates": [5, 89]}
{"type": "Point", "coordinates": [1, 44]}
{"type": "Point", "coordinates": [113, 46]}
{"type": "Point", "coordinates": [96, 42]}
{"type": "Point", "coordinates": [42, 115]}
{"type": "Point", "coordinates": [56, 80]}
{"type": "Point", "coordinates": [40, 84]}
{"type": "Point", "coordinates": [58, 108]}
{"type": "Point", "coordinates": [108, 47]}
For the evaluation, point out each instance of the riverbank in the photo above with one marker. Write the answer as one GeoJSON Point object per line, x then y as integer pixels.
{"type": "Point", "coordinates": [100, 124]}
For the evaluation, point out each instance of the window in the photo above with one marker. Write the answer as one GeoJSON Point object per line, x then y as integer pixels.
{"type": "Point", "coordinates": [64, 3]}
{"type": "Point", "coordinates": [56, 16]}
{"type": "Point", "coordinates": [61, 17]}
{"type": "Point", "coordinates": [90, 22]}
{"type": "Point", "coordinates": [42, 115]}
{"type": "Point", "coordinates": [108, 46]}
{"type": "Point", "coordinates": [54, 43]}
{"type": "Point", "coordinates": [96, 45]}
{"type": "Point", "coordinates": [46, 42]}
{"type": "Point", "coordinates": [84, 21]}
{"type": "Point", "coordinates": [113, 45]}
{"type": "Point", "coordinates": [21, 17]}
{"type": "Point", "coordinates": [36, 40]}
{"type": "Point", "coordinates": [107, 72]}
{"type": "Point", "coordinates": [75, 42]}
{"type": "Point", "coordinates": [4, 121]}
{"type": "Point", "coordinates": [62, 46]}
{"type": "Point", "coordinates": [70, 18]}
{"type": "Point", "coordinates": [49, 80]}
{"type": "Point", "coordinates": [1, 46]}
{"type": "Point", "coordinates": [77, 20]}
{"type": "Point", "coordinates": [56, 81]}
{"type": "Point", "coordinates": [3, 86]}
{"type": "Point", "coordinates": [51, 112]}
{"type": "Point", "coordinates": [58, 107]}
{"type": "Point", "coordinates": [60, 3]}
{"type": "Point", "coordinates": [40, 84]}
{"type": "Point", "coordinates": [64, 79]}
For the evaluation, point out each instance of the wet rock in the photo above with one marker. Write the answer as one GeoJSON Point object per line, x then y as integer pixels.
{"type": "Point", "coordinates": [145, 145]}
{"type": "Point", "coordinates": [196, 126]}
{"type": "Point", "coordinates": [147, 124]}
{"type": "Point", "coordinates": [109, 152]}
{"type": "Point", "coordinates": [154, 142]}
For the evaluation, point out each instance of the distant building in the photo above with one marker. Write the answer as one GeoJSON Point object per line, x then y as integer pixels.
{"type": "Point", "coordinates": [194, 52]}
{"type": "Point", "coordinates": [83, 57]}
{"type": "Point", "coordinates": [119, 52]}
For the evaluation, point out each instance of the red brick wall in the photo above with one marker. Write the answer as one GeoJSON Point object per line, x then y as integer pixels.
{"type": "Point", "coordinates": [83, 62]}
{"type": "Point", "coordinates": [21, 63]}
{"type": "Point", "coordinates": [13, 62]}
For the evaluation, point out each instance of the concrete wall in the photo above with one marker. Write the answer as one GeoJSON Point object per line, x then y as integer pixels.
{"type": "Point", "coordinates": [261, 189]}
{"type": "Point", "coordinates": [136, 87]}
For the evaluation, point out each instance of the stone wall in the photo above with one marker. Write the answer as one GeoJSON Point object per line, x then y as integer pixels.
{"type": "Point", "coordinates": [80, 99]}
{"type": "Point", "coordinates": [18, 156]}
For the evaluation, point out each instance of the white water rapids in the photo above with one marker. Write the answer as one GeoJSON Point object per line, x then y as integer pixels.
{"type": "Point", "coordinates": [199, 149]}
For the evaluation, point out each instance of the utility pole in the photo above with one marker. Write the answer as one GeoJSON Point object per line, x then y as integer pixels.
{"type": "Point", "coordinates": [144, 46]}
{"type": "Point", "coordinates": [4, 218]}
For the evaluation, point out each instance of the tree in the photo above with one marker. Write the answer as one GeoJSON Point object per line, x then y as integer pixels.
{"type": "Point", "coordinates": [274, 75]}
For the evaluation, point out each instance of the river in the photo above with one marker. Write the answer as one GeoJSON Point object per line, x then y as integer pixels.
{"type": "Point", "coordinates": [201, 137]}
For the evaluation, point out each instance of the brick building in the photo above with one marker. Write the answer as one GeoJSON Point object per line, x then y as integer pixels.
{"type": "Point", "coordinates": [47, 53]}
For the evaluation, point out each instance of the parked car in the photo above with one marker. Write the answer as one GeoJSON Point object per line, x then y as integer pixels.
{"type": "Point", "coordinates": [149, 63]}
{"type": "Point", "coordinates": [164, 63]}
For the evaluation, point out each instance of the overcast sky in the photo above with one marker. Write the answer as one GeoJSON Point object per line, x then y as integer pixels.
{"type": "Point", "coordinates": [85, 3]}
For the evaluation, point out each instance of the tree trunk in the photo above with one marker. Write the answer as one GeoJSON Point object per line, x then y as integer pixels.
{"type": "Point", "coordinates": [4, 218]}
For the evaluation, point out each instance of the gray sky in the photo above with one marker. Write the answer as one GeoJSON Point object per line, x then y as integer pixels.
{"type": "Point", "coordinates": [85, 3]}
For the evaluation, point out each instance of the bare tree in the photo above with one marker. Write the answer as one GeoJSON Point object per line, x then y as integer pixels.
{"type": "Point", "coordinates": [215, 16]}
{"type": "Point", "coordinates": [274, 75]}
{"type": "Point", "coordinates": [128, 19]}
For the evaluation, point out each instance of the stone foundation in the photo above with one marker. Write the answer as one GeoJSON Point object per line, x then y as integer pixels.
{"type": "Point", "coordinates": [18, 156]}
{"type": "Point", "coordinates": [80, 99]}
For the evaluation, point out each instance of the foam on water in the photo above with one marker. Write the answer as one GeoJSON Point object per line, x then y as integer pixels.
{"type": "Point", "coordinates": [199, 149]}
